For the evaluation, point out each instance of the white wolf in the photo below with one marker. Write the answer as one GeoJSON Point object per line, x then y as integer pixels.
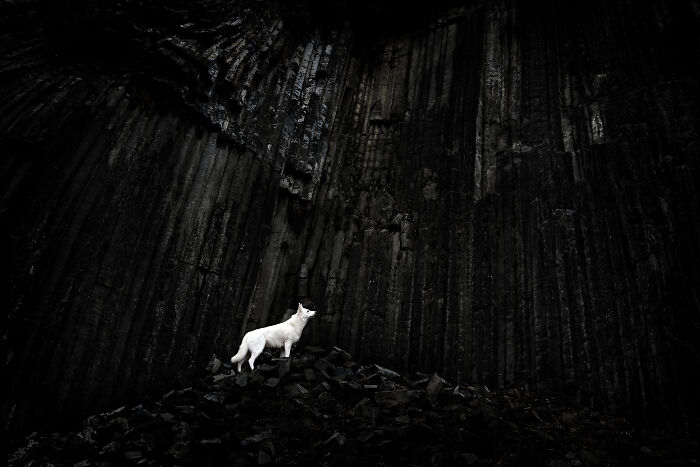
{"type": "Point", "coordinates": [284, 334]}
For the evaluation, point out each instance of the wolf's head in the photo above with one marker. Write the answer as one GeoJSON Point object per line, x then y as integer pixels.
{"type": "Point", "coordinates": [305, 313]}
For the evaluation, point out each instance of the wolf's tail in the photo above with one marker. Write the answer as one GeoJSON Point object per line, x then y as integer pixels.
{"type": "Point", "coordinates": [242, 352]}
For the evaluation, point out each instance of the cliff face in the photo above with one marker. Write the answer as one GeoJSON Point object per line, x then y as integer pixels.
{"type": "Point", "coordinates": [503, 193]}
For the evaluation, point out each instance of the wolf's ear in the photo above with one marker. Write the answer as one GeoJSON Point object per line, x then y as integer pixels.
{"type": "Point", "coordinates": [299, 307]}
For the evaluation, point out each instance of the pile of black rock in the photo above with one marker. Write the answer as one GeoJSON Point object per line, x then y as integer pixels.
{"type": "Point", "coordinates": [322, 408]}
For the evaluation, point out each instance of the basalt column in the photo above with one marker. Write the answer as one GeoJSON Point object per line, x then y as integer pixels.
{"type": "Point", "coordinates": [501, 192]}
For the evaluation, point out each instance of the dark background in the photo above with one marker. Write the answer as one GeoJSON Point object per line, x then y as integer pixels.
{"type": "Point", "coordinates": [502, 192]}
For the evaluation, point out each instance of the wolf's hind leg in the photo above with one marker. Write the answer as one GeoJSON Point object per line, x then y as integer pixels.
{"type": "Point", "coordinates": [287, 349]}
{"type": "Point", "coordinates": [256, 349]}
{"type": "Point", "coordinates": [253, 355]}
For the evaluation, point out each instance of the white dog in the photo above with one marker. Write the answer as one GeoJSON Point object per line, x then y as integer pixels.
{"type": "Point", "coordinates": [280, 335]}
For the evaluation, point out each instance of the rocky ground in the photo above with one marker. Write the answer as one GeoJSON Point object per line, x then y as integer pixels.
{"type": "Point", "coordinates": [322, 408]}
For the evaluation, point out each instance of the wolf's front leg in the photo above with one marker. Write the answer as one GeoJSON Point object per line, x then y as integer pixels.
{"type": "Point", "coordinates": [287, 348]}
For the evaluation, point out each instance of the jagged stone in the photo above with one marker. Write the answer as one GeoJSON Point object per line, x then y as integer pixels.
{"type": "Point", "coordinates": [391, 399]}
{"type": "Point", "coordinates": [259, 426]}
{"type": "Point", "coordinates": [210, 441]}
{"type": "Point", "coordinates": [285, 367]}
{"type": "Point", "coordinates": [336, 439]}
{"type": "Point", "coordinates": [272, 382]}
{"type": "Point", "coordinates": [266, 368]}
{"type": "Point", "coordinates": [111, 448]}
{"type": "Point", "coordinates": [434, 387]}
{"type": "Point", "coordinates": [257, 438]}
{"type": "Point", "coordinates": [222, 376]}
{"type": "Point", "coordinates": [214, 365]}
{"type": "Point", "coordinates": [321, 387]}
{"type": "Point", "coordinates": [387, 373]}
{"type": "Point", "coordinates": [356, 386]}
{"type": "Point", "coordinates": [295, 390]}
{"type": "Point", "coordinates": [242, 379]}
{"type": "Point", "coordinates": [215, 397]}
{"type": "Point", "coordinates": [133, 455]}
{"type": "Point", "coordinates": [365, 408]}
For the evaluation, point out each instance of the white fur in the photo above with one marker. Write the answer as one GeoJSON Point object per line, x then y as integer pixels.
{"type": "Point", "coordinates": [280, 335]}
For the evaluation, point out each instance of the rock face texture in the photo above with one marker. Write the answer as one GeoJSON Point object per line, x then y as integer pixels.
{"type": "Point", "coordinates": [502, 192]}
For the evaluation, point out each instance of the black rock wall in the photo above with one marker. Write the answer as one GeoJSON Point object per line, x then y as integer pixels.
{"type": "Point", "coordinates": [504, 192]}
